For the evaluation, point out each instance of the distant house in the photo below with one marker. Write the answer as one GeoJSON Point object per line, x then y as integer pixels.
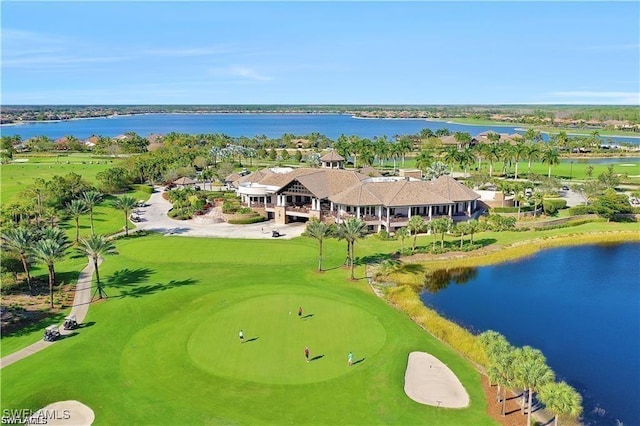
{"type": "Point", "coordinates": [184, 182]}
{"type": "Point", "coordinates": [332, 160]}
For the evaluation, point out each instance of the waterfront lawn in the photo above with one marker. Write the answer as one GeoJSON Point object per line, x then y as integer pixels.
{"type": "Point", "coordinates": [164, 348]}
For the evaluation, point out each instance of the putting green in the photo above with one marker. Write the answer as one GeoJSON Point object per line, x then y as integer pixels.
{"type": "Point", "coordinates": [275, 338]}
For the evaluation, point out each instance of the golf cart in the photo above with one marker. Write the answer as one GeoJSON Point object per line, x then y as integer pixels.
{"type": "Point", "coordinates": [275, 234]}
{"type": "Point", "coordinates": [70, 323]}
{"type": "Point", "coordinates": [51, 333]}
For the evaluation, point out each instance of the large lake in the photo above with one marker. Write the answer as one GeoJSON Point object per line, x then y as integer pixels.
{"type": "Point", "coordinates": [579, 305]}
{"type": "Point", "coordinates": [235, 125]}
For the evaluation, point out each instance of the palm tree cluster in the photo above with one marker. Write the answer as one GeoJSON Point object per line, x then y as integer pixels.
{"type": "Point", "coordinates": [33, 241]}
{"type": "Point", "coordinates": [350, 230]}
{"type": "Point", "coordinates": [526, 368]}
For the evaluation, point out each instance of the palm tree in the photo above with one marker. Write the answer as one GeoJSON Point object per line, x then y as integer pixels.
{"type": "Point", "coordinates": [351, 230]}
{"type": "Point", "coordinates": [77, 208]}
{"type": "Point", "coordinates": [20, 241]}
{"type": "Point", "coordinates": [450, 156]}
{"type": "Point", "coordinates": [402, 233]}
{"type": "Point", "coordinates": [473, 227]}
{"type": "Point", "coordinates": [519, 198]}
{"type": "Point", "coordinates": [415, 225]}
{"type": "Point", "coordinates": [561, 399]}
{"type": "Point", "coordinates": [442, 226]}
{"type": "Point", "coordinates": [424, 160]}
{"type": "Point", "coordinates": [532, 153]}
{"type": "Point", "coordinates": [95, 247]}
{"type": "Point", "coordinates": [501, 355]}
{"type": "Point", "coordinates": [91, 199]}
{"type": "Point", "coordinates": [491, 153]}
{"type": "Point", "coordinates": [465, 159]}
{"type": "Point", "coordinates": [462, 228]}
{"type": "Point", "coordinates": [531, 372]}
{"type": "Point", "coordinates": [551, 157]}
{"type": "Point", "coordinates": [318, 231]}
{"type": "Point", "coordinates": [405, 146]}
{"type": "Point", "coordinates": [538, 198]}
{"type": "Point", "coordinates": [48, 251]}
{"type": "Point", "coordinates": [519, 152]}
{"type": "Point", "coordinates": [126, 203]}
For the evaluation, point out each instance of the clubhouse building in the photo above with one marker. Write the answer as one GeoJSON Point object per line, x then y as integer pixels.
{"type": "Point", "coordinates": [333, 194]}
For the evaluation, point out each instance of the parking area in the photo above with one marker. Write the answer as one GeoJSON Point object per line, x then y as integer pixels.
{"type": "Point", "coordinates": [153, 217]}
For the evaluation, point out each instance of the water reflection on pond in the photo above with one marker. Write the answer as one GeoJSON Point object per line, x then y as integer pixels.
{"type": "Point", "coordinates": [579, 305]}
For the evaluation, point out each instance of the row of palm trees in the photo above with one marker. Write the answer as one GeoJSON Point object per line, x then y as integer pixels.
{"type": "Point", "coordinates": [352, 229]}
{"type": "Point", "coordinates": [49, 245]}
{"type": "Point", "coordinates": [526, 368]}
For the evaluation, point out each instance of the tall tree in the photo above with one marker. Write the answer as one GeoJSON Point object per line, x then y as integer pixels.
{"type": "Point", "coordinates": [499, 369]}
{"type": "Point", "coordinates": [531, 372]}
{"type": "Point", "coordinates": [20, 240]}
{"type": "Point", "coordinates": [415, 226]}
{"type": "Point", "coordinates": [126, 203]}
{"type": "Point", "coordinates": [424, 159]}
{"type": "Point", "coordinates": [442, 225]}
{"type": "Point", "coordinates": [561, 399]}
{"type": "Point", "coordinates": [473, 228]}
{"type": "Point", "coordinates": [551, 157]}
{"type": "Point", "coordinates": [77, 208]}
{"type": "Point", "coordinates": [402, 233]}
{"type": "Point", "coordinates": [532, 153]}
{"type": "Point", "coordinates": [48, 251]}
{"type": "Point", "coordinates": [351, 230]}
{"type": "Point", "coordinates": [95, 247]}
{"type": "Point", "coordinates": [318, 231]}
{"type": "Point", "coordinates": [91, 199]}
{"type": "Point", "coordinates": [519, 152]}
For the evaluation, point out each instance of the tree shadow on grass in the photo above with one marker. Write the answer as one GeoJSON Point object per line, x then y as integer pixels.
{"type": "Point", "coordinates": [485, 241]}
{"type": "Point", "coordinates": [375, 258]}
{"type": "Point", "coordinates": [126, 277]}
{"type": "Point", "coordinates": [143, 290]}
{"type": "Point", "coordinates": [39, 324]}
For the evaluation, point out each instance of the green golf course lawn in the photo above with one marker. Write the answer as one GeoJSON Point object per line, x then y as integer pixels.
{"type": "Point", "coordinates": [164, 348]}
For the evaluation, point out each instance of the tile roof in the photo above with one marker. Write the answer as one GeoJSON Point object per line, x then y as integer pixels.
{"type": "Point", "coordinates": [349, 187]}
{"type": "Point", "coordinates": [331, 156]}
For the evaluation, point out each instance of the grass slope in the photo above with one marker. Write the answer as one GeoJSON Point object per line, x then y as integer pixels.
{"type": "Point", "coordinates": [164, 348]}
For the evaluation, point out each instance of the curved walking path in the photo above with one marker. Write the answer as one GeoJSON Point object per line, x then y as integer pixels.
{"type": "Point", "coordinates": [80, 307]}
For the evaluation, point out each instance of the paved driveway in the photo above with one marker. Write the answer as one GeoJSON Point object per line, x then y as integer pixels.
{"type": "Point", "coordinates": [154, 218]}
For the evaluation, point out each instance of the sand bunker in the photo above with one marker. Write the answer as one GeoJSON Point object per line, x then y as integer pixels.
{"type": "Point", "coordinates": [64, 413]}
{"type": "Point", "coordinates": [428, 381]}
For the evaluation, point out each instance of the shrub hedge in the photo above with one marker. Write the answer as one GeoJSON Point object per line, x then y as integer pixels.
{"type": "Point", "coordinates": [247, 220]}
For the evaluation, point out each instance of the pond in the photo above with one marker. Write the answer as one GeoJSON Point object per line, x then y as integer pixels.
{"type": "Point", "coordinates": [579, 305]}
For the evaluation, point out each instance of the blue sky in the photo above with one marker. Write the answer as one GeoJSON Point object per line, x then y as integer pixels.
{"type": "Point", "coordinates": [320, 52]}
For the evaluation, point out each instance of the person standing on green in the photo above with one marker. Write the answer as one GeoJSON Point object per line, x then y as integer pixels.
{"type": "Point", "coordinates": [306, 353]}
{"type": "Point", "coordinates": [350, 359]}
{"type": "Point", "coordinates": [241, 334]}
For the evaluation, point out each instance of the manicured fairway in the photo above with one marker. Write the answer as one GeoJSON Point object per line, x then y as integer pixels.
{"type": "Point", "coordinates": [164, 349]}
